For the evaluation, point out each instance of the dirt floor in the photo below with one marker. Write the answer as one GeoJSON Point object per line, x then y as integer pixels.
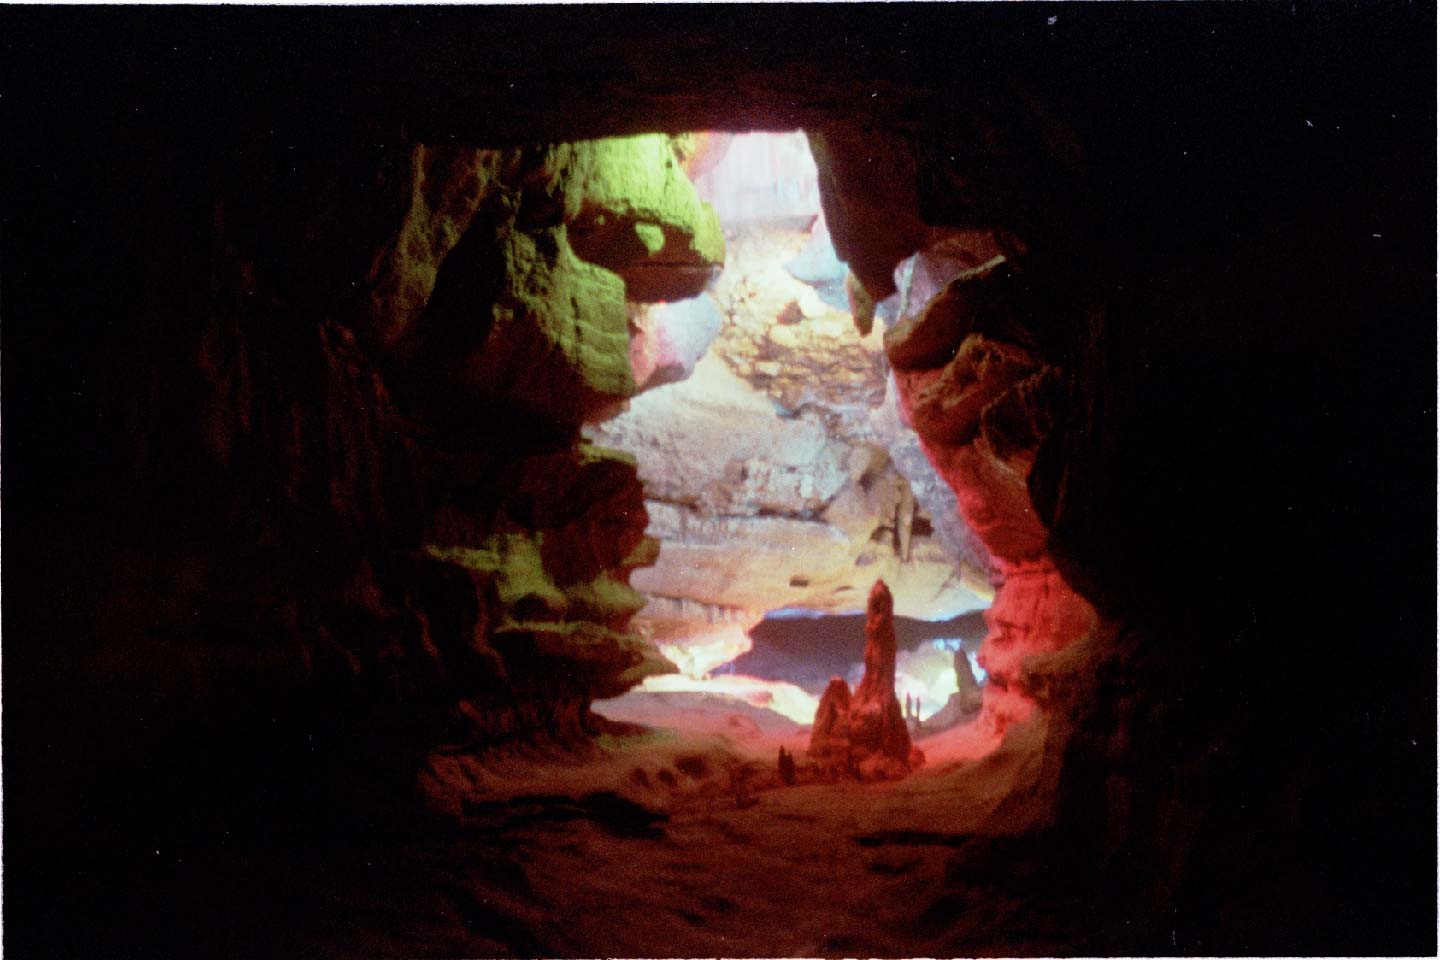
{"type": "Point", "coordinates": [655, 842]}
{"type": "Point", "coordinates": [649, 848]}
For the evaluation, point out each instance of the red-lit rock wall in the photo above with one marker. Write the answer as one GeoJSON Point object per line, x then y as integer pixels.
{"type": "Point", "coordinates": [1136, 379]}
{"type": "Point", "coordinates": [980, 406]}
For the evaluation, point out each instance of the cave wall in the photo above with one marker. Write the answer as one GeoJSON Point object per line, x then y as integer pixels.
{"type": "Point", "coordinates": [320, 466]}
{"type": "Point", "coordinates": [981, 403]}
{"type": "Point", "coordinates": [1141, 383]}
{"type": "Point", "coordinates": [243, 390]}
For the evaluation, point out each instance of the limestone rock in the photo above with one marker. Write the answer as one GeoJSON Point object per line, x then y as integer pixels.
{"type": "Point", "coordinates": [947, 254]}
{"type": "Point", "coordinates": [696, 636]}
{"type": "Point", "coordinates": [963, 705]}
{"type": "Point", "coordinates": [830, 733]}
{"type": "Point", "coordinates": [715, 439]}
{"type": "Point", "coordinates": [1036, 612]}
{"type": "Point", "coordinates": [768, 481]}
{"type": "Point", "coordinates": [632, 208]}
{"type": "Point", "coordinates": [969, 379]}
{"type": "Point", "coordinates": [447, 187]}
{"type": "Point", "coordinates": [817, 265]}
{"type": "Point", "coordinates": [667, 339]}
{"type": "Point", "coordinates": [550, 338]}
{"type": "Point", "coordinates": [877, 724]}
{"type": "Point", "coordinates": [933, 495]}
{"type": "Point", "coordinates": [931, 336]}
{"type": "Point", "coordinates": [767, 563]}
{"type": "Point", "coordinates": [554, 560]}
{"type": "Point", "coordinates": [866, 178]}
{"type": "Point", "coordinates": [1016, 422]}
{"type": "Point", "coordinates": [862, 305]}
{"type": "Point", "coordinates": [949, 408]}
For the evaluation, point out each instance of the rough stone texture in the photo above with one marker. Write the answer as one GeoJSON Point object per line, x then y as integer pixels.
{"type": "Point", "coordinates": [866, 730]}
{"type": "Point", "coordinates": [632, 209]}
{"type": "Point", "coordinates": [448, 184]}
{"type": "Point", "coordinates": [926, 339]}
{"type": "Point", "coordinates": [867, 177]}
{"type": "Point", "coordinates": [931, 492]}
{"type": "Point", "coordinates": [554, 343]}
{"type": "Point", "coordinates": [667, 339]}
{"type": "Point", "coordinates": [949, 408]}
{"type": "Point", "coordinates": [352, 517]}
{"type": "Point", "coordinates": [770, 483]}
{"type": "Point", "coordinates": [1222, 200]}
{"type": "Point", "coordinates": [950, 378]}
{"type": "Point", "coordinates": [830, 731]}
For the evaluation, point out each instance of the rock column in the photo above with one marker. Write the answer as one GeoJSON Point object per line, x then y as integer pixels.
{"type": "Point", "coordinates": [866, 733]}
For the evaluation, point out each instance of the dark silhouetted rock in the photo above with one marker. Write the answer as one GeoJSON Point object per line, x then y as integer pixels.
{"type": "Point", "coordinates": [785, 767]}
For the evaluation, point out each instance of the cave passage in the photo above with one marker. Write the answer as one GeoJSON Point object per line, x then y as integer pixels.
{"type": "Point", "coordinates": [436, 498]}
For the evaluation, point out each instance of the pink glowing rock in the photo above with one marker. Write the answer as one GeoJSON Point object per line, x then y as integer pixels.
{"type": "Point", "coordinates": [667, 339]}
{"type": "Point", "coordinates": [949, 409]}
{"type": "Point", "coordinates": [964, 393]}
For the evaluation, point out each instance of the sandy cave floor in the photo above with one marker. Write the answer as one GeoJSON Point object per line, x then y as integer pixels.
{"type": "Point", "coordinates": [543, 852]}
{"type": "Point", "coordinates": [550, 856]}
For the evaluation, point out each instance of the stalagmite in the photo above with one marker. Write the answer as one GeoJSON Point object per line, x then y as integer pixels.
{"type": "Point", "coordinates": [867, 729]}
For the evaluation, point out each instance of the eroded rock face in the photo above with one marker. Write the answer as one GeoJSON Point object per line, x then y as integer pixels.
{"type": "Point", "coordinates": [523, 338]}
{"type": "Point", "coordinates": [667, 339]}
{"type": "Point", "coordinates": [632, 209]}
{"type": "Point", "coordinates": [981, 407]}
{"type": "Point", "coordinates": [770, 480]}
{"type": "Point", "coordinates": [864, 734]}
{"type": "Point", "coordinates": [1110, 471]}
{"type": "Point", "coordinates": [352, 448]}
{"type": "Point", "coordinates": [218, 495]}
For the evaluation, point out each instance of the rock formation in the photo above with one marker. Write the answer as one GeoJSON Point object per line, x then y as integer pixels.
{"type": "Point", "coordinates": [981, 403]}
{"type": "Point", "coordinates": [290, 494]}
{"type": "Point", "coordinates": [352, 463]}
{"type": "Point", "coordinates": [964, 704]}
{"type": "Point", "coordinates": [865, 734]}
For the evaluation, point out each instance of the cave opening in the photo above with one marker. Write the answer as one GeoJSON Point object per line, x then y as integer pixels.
{"type": "Point", "coordinates": [780, 479]}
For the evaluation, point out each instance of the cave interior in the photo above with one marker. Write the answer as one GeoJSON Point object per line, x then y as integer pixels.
{"type": "Point", "coordinates": [441, 480]}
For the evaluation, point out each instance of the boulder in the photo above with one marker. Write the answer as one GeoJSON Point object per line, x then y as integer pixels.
{"type": "Point", "coordinates": [668, 339]}
{"type": "Point", "coordinates": [631, 208]}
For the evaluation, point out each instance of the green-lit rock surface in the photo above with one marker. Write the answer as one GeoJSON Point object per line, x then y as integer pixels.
{"type": "Point", "coordinates": [632, 209]}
